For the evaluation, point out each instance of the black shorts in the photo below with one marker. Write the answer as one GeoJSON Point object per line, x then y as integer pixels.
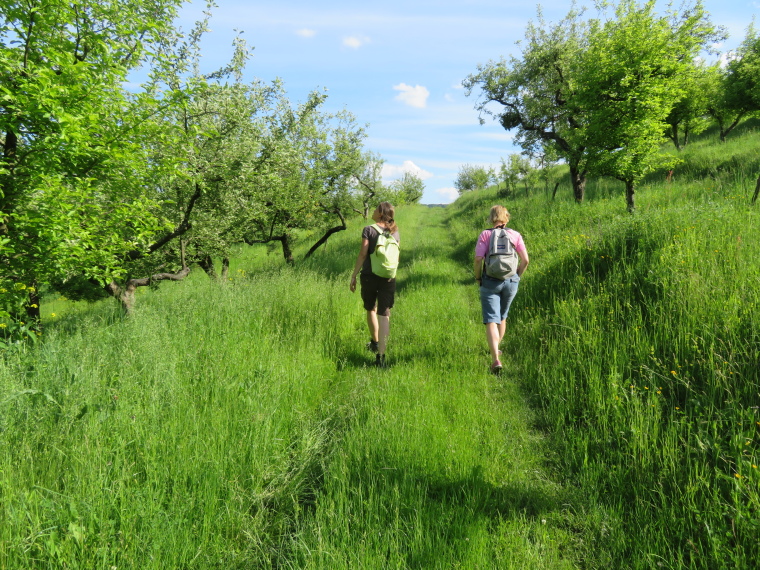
{"type": "Point", "coordinates": [379, 291]}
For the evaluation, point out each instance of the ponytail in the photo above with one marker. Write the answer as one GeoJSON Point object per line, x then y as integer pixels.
{"type": "Point", "coordinates": [387, 211]}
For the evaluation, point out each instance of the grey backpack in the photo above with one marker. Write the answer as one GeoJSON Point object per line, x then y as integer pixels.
{"type": "Point", "coordinates": [501, 260]}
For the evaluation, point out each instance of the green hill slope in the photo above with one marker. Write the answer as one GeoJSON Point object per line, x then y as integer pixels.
{"type": "Point", "coordinates": [640, 347]}
{"type": "Point", "coordinates": [239, 424]}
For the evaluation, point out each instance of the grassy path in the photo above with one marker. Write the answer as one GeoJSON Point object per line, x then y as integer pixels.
{"type": "Point", "coordinates": [241, 426]}
{"type": "Point", "coordinates": [439, 467]}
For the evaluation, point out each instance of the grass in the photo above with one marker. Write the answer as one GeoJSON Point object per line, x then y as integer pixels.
{"type": "Point", "coordinates": [239, 424]}
{"type": "Point", "coordinates": [641, 336]}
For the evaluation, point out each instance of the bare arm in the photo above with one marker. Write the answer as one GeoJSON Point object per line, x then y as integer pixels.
{"type": "Point", "coordinates": [477, 269]}
{"type": "Point", "coordinates": [359, 262]}
{"type": "Point", "coordinates": [524, 261]}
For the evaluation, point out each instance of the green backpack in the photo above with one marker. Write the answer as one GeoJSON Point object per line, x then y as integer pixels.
{"type": "Point", "coordinates": [385, 257]}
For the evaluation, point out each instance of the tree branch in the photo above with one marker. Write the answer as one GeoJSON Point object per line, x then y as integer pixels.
{"type": "Point", "coordinates": [328, 233]}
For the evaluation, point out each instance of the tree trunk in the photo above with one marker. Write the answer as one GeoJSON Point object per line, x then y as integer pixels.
{"type": "Point", "coordinates": [578, 180]}
{"type": "Point", "coordinates": [674, 136]}
{"type": "Point", "coordinates": [33, 308]}
{"type": "Point", "coordinates": [554, 192]}
{"type": "Point", "coordinates": [629, 192]}
{"type": "Point", "coordinates": [225, 268]}
{"type": "Point", "coordinates": [287, 253]}
{"type": "Point", "coordinates": [126, 294]}
{"type": "Point", "coordinates": [724, 131]}
{"type": "Point", "coordinates": [127, 297]}
{"type": "Point", "coordinates": [207, 264]}
{"type": "Point", "coordinates": [757, 190]}
{"type": "Point", "coordinates": [324, 239]}
{"type": "Point", "coordinates": [10, 146]}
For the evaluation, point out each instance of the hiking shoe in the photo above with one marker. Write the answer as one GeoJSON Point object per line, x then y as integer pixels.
{"type": "Point", "coordinates": [496, 368]}
{"type": "Point", "coordinates": [372, 346]}
{"type": "Point", "coordinates": [380, 361]}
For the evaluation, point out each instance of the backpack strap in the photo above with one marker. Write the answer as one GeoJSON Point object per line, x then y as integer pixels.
{"type": "Point", "coordinates": [493, 233]}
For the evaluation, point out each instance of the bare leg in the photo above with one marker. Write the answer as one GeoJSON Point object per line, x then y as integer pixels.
{"type": "Point", "coordinates": [493, 337]}
{"type": "Point", "coordinates": [372, 324]}
{"type": "Point", "coordinates": [384, 330]}
{"type": "Point", "coordinates": [502, 330]}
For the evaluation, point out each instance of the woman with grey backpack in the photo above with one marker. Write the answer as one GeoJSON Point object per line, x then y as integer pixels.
{"type": "Point", "coordinates": [500, 260]}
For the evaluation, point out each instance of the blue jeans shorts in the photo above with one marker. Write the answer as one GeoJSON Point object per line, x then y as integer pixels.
{"type": "Point", "coordinates": [496, 297]}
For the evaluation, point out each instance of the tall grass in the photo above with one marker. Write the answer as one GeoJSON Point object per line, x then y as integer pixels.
{"type": "Point", "coordinates": [158, 441]}
{"type": "Point", "coordinates": [240, 424]}
{"type": "Point", "coordinates": [640, 344]}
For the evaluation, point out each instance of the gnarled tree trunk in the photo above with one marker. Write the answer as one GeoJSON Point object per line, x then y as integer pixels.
{"type": "Point", "coordinates": [207, 264]}
{"type": "Point", "coordinates": [126, 293]}
{"type": "Point", "coordinates": [578, 180]}
{"type": "Point", "coordinates": [629, 192]}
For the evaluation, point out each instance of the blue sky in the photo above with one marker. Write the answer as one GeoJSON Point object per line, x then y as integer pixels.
{"type": "Point", "coordinates": [398, 66]}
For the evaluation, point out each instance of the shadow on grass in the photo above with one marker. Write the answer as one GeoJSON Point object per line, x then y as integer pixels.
{"type": "Point", "coordinates": [449, 511]}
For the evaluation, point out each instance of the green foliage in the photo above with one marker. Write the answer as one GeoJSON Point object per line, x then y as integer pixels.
{"type": "Point", "coordinates": [689, 116]}
{"type": "Point", "coordinates": [118, 188]}
{"type": "Point", "coordinates": [734, 90]}
{"type": "Point", "coordinates": [64, 116]}
{"type": "Point", "coordinates": [408, 189]}
{"type": "Point", "coordinates": [534, 93]}
{"type": "Point", "coordinates": [517, 169]}
{"type": "Point", "coordinates": [367, 184]}
{"type": "Point", "coordinates": [15, 328]}
{"type": "Point", "coordinates": [597, 92]}
{"type": "Point", "coordinates": [472, 177]}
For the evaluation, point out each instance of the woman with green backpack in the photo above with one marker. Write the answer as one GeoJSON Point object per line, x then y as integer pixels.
{"type": "Point", "coordinates": [377, 261]}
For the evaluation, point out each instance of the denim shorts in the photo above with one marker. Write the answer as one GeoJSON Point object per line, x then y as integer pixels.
{"type": "Point", "coordinates": [496, 297]}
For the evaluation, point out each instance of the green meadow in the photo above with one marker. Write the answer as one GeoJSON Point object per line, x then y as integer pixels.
{"type": "Point", "coordinates": [239, 424]}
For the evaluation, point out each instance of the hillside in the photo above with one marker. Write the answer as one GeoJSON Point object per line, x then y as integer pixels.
{"type": "Point", "coordinates": [239, 424]}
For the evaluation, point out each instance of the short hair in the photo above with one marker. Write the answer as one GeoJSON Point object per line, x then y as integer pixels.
{"type": "Point", "coordinates": [499, 215]}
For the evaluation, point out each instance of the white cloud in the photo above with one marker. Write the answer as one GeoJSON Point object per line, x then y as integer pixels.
{"type": "Point", "coordinates": [413, 96]}
{"type": "Point", "coordinates": [306, 33]}
{"type": "Point", "coordinates": [355, 42]}
{"type": "Point", "coordinates": [391, 171]}
{"type": "Point", "coordinates": [449, 194]}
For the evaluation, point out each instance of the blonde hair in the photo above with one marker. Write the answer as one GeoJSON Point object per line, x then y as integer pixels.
{"type": "Point", "coordinates": [387, 211]}
{"type": "Point", "coordinates": [499, 216]}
